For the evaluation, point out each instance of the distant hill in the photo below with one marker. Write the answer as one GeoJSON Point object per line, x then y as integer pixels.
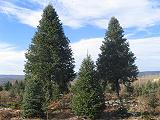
{"type": "Point", "coordinates": [149, 73]}
{"type": "Point", "coordinates": [6, 78]}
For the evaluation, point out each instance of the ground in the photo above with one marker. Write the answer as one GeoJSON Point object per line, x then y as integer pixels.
{"type": "Point", "coordinates": [137, 108]}
{"type": "Point", "coordinates": [110, 113]}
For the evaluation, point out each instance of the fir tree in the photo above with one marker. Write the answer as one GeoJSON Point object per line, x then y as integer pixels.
{"type": "Point", "coordinates": [1, 88]}
{"type": "Point", "coordinates": [33, 99]}
{"type": "Point", "coordinates": [88, 98]}
{"type": "Point", "coordinates": [116, 63]}
{"type": "Point", "coordinates": [49, 56]}
{"type": "Point", "coordinates": [8, 86]}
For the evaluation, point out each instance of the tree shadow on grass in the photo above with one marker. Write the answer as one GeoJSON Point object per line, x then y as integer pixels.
{"type": "Point", "coordinates": [64, 114]}
{"type": "Point", "coordinates": [116, 115]}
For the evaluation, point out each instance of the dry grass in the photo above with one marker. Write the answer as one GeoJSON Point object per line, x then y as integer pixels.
{"type": "Point", "coordinates": [145, 79]}
{"type": "Point", "coordinates": [8, 114]}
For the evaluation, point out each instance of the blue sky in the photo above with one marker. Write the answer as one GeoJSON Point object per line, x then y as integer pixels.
{"type": "Point", "coordinates": [85, 23]}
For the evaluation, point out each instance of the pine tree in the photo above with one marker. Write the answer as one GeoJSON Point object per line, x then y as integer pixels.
{"type": "Point", "coordinates": [33, 99]}
{"type": "Point", "coordinates": [116, 63]}
{"type": "Point", "coordinates": [1, 88]}
{"type": "Point", "coordinates": [88, 98]}
{"type": "Point", "coordinates": [8, 86]}
{"type": "Point", "coordinates": [49, 56]}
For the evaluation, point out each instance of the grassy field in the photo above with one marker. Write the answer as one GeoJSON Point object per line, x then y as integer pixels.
{"type": "Point", "coordinates": [137, 106]}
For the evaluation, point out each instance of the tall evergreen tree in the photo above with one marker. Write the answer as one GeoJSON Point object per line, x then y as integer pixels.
{"type": "Point", "coordinates": [49, 56]}
{"type": "Point", "coordinates": [33, 99]}
{"type": "Point", "coordinates": [116, 62]}
{"type": "Point", "coordinates": [88, 98]}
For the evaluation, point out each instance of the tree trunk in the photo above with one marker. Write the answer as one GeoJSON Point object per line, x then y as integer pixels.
{"type": "Point", "coordinates": [117, 87]}
{"type": "Point", "coordinates": [117, 91]}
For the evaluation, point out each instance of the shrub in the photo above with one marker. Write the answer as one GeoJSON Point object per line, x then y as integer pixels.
{"type": "Point", "coordinates": [122, 111]}
{"type": "Point", "coordinates": [153, 101]}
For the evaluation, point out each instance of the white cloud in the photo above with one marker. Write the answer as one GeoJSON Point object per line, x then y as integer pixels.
{"type": "Point", "coordinates": [131, 14]}
{"type": "Point", "coordinates": [24, 15]}
{"type": "Point", "coordinates": [146, 50]}
{"type": "Point", "coordinates": [40, 2]}
{"type": "Point", "coordinates": [11, 60]}
{"type": "Point", "coordinates": [78, 13]}
{"type": "Point", "coordinates": [83, 46]}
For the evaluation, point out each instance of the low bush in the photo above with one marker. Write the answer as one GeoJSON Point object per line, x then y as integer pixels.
{"type": "Point", "coordinates": [153, 102]}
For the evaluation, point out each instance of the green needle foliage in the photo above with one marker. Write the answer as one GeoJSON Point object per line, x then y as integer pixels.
{"type": "Point", "coordinates": [7, 86]}
{"type": "Point", "coordinates": [88, 98]}
{"type": "Point", "coordinates": [116, 63]}
{"type": "Point", "coordinates": [49, 66]}
{"type": "Point", "coordinates": [33, 99]}
{"type": "Point", "coordinates": [49, 56]}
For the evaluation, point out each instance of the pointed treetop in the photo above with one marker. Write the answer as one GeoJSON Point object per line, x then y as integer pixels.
{"type": "Point", "coordinates": [87, 53]}
{"type": "Point", "coordinates": [49, 11]}
{"type": "Point", "coordinates": [114, 30]}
